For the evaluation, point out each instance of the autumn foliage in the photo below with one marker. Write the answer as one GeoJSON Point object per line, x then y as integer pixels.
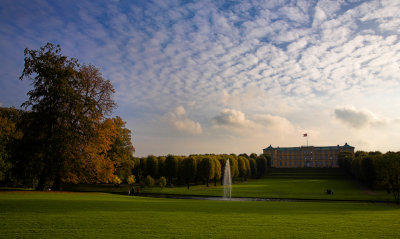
{"type": "Point", "coordinates": [65, 134]}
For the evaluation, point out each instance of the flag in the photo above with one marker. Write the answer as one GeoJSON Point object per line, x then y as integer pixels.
{"type": "Point", "coordinates": [305, 135]}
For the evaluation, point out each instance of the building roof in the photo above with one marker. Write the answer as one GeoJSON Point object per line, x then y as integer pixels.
{"type": "Point", "coordinates": [314, 147]}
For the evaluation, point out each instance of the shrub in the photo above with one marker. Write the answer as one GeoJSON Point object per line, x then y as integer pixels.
{"type": "Point", "coordinates": [162, 182]}
{"type": "Point", "coordinates": [116, 181]}
{"type": "Point", "coordinates": [149, 181]}
{"type": "Point", "coordinates": [131, 180]}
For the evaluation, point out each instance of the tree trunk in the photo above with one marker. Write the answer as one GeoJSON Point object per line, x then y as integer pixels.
{"type": "Point", "coordinates": [57, 182]}
{"type": "Point", "coordinates": [42, 182]}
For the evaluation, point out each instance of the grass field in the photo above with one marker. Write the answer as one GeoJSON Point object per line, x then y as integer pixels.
{"type": "Point", "coordinates": [104, 215]}
{"type": "Point", "coordinates": [280, 183]}
{"type": "Point", "coordinates": [285, 188]}
{"type": "Point", "coordinates": [289, 183]}
{"type": "Point", "coordinates": [92, 213]}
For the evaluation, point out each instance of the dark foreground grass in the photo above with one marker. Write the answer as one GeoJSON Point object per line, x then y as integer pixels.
{"type": "Point", "coordinates": [102, 215]}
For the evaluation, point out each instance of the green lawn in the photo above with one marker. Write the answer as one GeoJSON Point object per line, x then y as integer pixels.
{"type": "Point", "coordinates": [305, 188]}
{"type": "Point", "coordinates": [304, 183]}
{"type": "Point", "coordinates": [103, 215]}
{"type": "Point", "coordinates": [280, 183]}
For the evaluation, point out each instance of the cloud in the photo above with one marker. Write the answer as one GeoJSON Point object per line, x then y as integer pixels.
{"type": "Point", "coordinates": [357, 118]}
{"type": "Point", "coordinates": [279, 57]}
{"type": "Point", "coordinates": [319, 16]}
{"type": "Point", "coordinates": [275, 123]}
{"type": "Point", "coordinates": [230, 118]}
{"type": "Point", "coordinates": [248, 96]}
{"type": "Point", "coordinates": [160, 55]}
{"type": "Point", "coordinates": [179, 119]}
{"type": "Point", "coordinates": [237, 122]}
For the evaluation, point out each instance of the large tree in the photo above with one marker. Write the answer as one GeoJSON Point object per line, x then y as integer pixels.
{"type": "Point", "coordinates": [107, 154]}
{"type": "Point", "coordinates": [122, 149]}
{"type": "Point", "coordinates": [345, 160]}
{"type": "Point", "coordinates": [242, 167]}
{"type": "Point", "coordinates": [152, 166]}
{"type": "Point", "coordinates": [233, 162]}
{"type": "Point", "coordinates": [188, 170]}
{"type": "Point", "coordinates": [253, 166]}
{"type": "Point", "coordinates": [10, 134]}
{"type": "Point", "coordinates": [67, 102]}
{"type": "Point", "coordinates": [207, 168]}
{"type": "Point", "coordinates": [389, 173]}
{"type": "Point", "coordinates": [171, 167]}
{"type": "Point", "coordinates": [218, 171]}
{"type": "Point", "coordinates": [91, 163]}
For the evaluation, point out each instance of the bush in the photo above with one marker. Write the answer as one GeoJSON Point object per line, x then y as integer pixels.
{"type": "Point", "coordinates": [131, 180]}
{"type": "Point", "coordinates": [162, 182]}
{"type": "Point", "coordinates": [116, 181]}
{"type": "Point", "coordinates": [149, 181]}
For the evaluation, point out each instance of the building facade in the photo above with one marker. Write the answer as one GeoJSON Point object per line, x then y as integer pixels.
{"type": "Point", "coordinates": [306, 156]}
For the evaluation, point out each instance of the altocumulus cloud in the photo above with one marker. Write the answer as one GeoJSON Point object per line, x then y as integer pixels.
{"type": "Point", "coordinates": [244, 64]}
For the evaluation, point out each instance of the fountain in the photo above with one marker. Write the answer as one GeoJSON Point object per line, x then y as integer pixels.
{"type": "Point", "coordinates": [227, 181]}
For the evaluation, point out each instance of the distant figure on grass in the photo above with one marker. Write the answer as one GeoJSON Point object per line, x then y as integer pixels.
{"type": "Point", "coordinates": [131, 180]}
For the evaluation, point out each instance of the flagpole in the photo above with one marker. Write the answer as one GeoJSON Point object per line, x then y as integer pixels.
{"type": "Point", "coordinates": [306, 135]}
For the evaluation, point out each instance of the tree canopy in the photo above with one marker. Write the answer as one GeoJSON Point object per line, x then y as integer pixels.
{"type": "Point", "coordinates": [74, 141]}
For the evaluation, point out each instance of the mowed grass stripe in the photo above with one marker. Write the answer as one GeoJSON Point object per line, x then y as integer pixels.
{"type": "Point", "coordinates": [100, 215]}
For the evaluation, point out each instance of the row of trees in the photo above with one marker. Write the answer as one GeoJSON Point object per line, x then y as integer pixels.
{"type": "Point", "coordinates": [64, 135]}
{"type": "Point", "coordinates": [107, 158]}
{"type": "Point", "coordinates": [194, 169]}
{"type": "Point", "coordinates": [374, 169]}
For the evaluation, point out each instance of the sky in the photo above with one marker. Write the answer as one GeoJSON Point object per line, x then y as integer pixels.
{"type": "Point", "coordinates": [195, 77]}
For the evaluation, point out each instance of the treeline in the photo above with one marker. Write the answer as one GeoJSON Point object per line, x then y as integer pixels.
{"type": "Point", "coordinates": [64, 134]}
{"type": "Point", "coordinates": [107, 157]}
{"type": "Point", "coordinates": [196, 169]}
{"type": "Point", "coordinates": [373, 169]}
